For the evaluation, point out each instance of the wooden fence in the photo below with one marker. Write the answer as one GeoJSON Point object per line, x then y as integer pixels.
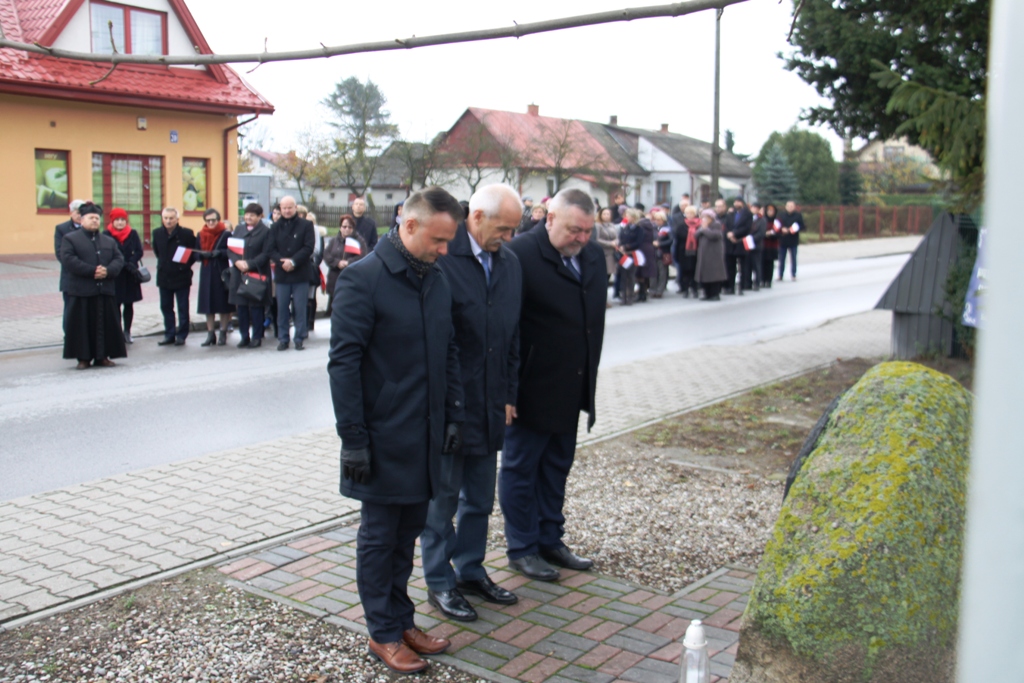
{"type": "Point", "coordinates": [859, 222]}
{"type": "Point", "coordinates": [330, 216]}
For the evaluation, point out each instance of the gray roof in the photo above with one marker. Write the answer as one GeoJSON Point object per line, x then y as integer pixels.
{"type": "Point", "coordinates": [600, 133]}
{"type": "Point", "coordinates": [919, 288]}
{"type": "Point", "coordinates": [692, 153]}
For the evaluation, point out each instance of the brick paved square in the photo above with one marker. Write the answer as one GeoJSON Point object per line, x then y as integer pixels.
{"type": "Point", "coordinates": [616, 616]}
{"type": "Point", "coordinates": [655, 622]}
{"type": "Point", "coordinates": [735, 624]}
{"type": "Point", "coordinates": [722, 599]}
{"type": "Point", "coordinates": [252, 571]}
{"type": "Point", "coordinates": [620, 663]}
{"type": "Point", "coordinates": [520, 663]}
{"type": "Point", "coordinates": [352, 613]}
{"type": "Point", "coordinates": [700, 595]}
{"type": "Point", "coordinates": [545, 619]}
{"type": "Point", "coordinates": [581, 675]}
{"type": "Point", "coordinates": [559, 612]}
{"type": "Point", "coordinates": [312, 592]}
{"type": "Point", "coordinates": [485, 612]}
{"type": "Point", "coordinates": [498, 648]}
{"type": "Point", "coordinates": [669, 653]}
{"type": "Point", "coordinates": [606, 630]}
{"type": "Point", "coordinates": [237, 564]}
{"type": "Point", "coordinates": [652, 671]}
{"type": "Point", "coordinates": [480, 658]}
{"type": "Point", "coordinates": [461, 640]}
{"type": "Point", "coordinates": [598, 656]}
{"type": "Point", "coordinates": [524, 605]}
{"type": "Point", "coordinates": [595, 588]}
{"type": "Point", "coordinates": [328, 605]}
{"type": "Point", "coordinates": [590, 604]}
{"type": "Point", "coordinates": [549, 587]}
{"type": "Point", "coordinates": [582, 624]}
{"type": "Point", "coordinates": [542, 670]}
{"type": "Point", "coordinates": [578, 580]}
{"type": "Point", "coordinates": [513, 582]}
{"type": "Point", "coordinates": [657, 602]}
{"type": "Point", "coordinates": [721, 617]}
{"type": "Point", "coordinates": [443, 630]}
{"type": "Point", "coordinates": [569, 599]}
{"type": "Point", "coordinates": [294, 588]}
{"type": "Point", "coordinates": [530, 636]}
{"type": "Point", "coordinates": [510, 630]}
{"type": "Point", "coordinates": [637, 597]}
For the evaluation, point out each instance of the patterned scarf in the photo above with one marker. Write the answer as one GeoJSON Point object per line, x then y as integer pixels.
{"type": "Point", "coordinates": [419, 267]}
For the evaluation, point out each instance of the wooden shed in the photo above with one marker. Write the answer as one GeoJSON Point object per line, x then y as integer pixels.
{"type": "Point", "coordinates": [920, 314]}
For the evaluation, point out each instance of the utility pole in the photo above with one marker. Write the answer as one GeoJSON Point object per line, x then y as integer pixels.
{"type": "Point", "coordinates": [716, 151]}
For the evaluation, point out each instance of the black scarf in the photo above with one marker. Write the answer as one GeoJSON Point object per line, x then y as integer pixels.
{"type": "Point", "coordinates": [419, 267]}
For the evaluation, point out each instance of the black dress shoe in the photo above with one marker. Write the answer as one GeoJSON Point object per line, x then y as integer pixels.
{"type": "Point", "coordinates": [563, 557]}
{"type": "Point", "coordinates": [165, 342]}
{"type": "Point", "coordinates": [298, 345]}
{"type": "Point", "coordinates": [179, 342]}
{"type": "Point", "coordinates": [532, 566]}
{"type": "Point", "coordinates": [283, 346]}
{"type": "Point", "coordinates": [255, 343]}
{"type": "Point", "coordinates": [489, 591]}
{"type": "Point", "coordinates": [451, 604]}
{"type": "Point", "coordinates": [242, 344]}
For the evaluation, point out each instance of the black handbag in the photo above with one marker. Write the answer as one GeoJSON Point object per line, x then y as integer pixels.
{"type": "Point", "coordinates": [225, 277]}
{"type": "Point", "coordinates": [142, 273]}
{"type": "Point", "coordinates": [253, 286]}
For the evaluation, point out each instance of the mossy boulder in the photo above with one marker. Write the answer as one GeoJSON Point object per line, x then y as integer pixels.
{"type": "Point", "coordinates": [860, 579]}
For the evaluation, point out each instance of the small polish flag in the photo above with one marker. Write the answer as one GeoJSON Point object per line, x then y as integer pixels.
{"type": "Point", "coordinates": [236, 245]}
{"type": "Point", "coordinates": [352, 246]}
{"type": "Point", "coordinates": [182, 255]}
{"type": "Point", "coordinates": [641, 260]}
{"type": "Point", "coordinates": [795, 227]}
{"type": "Point", "coordinates": [626, 261]}
{"type": "Point", "coordinates": [748, 242]}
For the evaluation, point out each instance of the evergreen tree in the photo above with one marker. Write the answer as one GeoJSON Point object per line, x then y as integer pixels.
{"type": "Point", "coordinates": [810, 158]}
{"type": "Point", "coordinates": [851, 184]}
{"type": "Point", "coordinates": [774, 178]}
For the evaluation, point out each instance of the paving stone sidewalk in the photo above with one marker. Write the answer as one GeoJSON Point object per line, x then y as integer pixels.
{"type": "Point", "coordinates": [76, 542]}
{"type": "Point", "coordinates": [586, 628]}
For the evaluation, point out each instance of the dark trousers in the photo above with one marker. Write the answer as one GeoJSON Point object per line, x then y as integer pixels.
{"type": "Point", "coordinates": [733, 265]}
{"type": "Point", "coordinates": [467, 493]}
{"type": "Point", "coordinates": [687, 271]}
{"type": "Point", "coordinates": [782, 261]}
{"type": "Point", "coordinates": [768, 265]}
{"type": "Point", "coordinates": [531, 488]}
{"type": "Point", "coordinates": [127, 315]}
{"type": "Point", "coordinates": [287, 294]}
{"type": "Point", "coordinates": [168, 297]}
{"type": "Point", "coordinates": [751, 269]}
{"type": "Point", "coordinates": [712, 289]}
{"type": "Point", "coordinates": [385, 546]}
{"type": "Point", "coordinates": [67, 305]}
{"type": "Point", "coordinates": [250, 316]}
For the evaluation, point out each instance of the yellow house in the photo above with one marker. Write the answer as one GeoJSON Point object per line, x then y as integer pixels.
{"type": "Point", "coordinates": [142, 138]}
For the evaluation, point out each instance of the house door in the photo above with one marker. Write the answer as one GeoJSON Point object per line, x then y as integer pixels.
{"type": "Point", "coordinates": [133, 183]}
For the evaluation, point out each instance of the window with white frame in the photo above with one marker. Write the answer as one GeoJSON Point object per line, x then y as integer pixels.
{"type": "Point", "coordinates": [128, 30]}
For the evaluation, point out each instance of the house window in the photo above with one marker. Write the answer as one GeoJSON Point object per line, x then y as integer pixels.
{"type": "Point", "coordinates": [551, 187]}
{"type": "Point", "coordinates": [51, 181]}
{"type": "Point", "coordinates": [332, 195]}
{"type": "Point", "coordinates": [193, 185]}
{"type": "Point", "coordinates": [134, 31]}
{"type": "Point", "coordinates": [388, 195]}
{"type": "Point", "coordinates": [134, 183]}
{"type": "Point", "coordinates": [894, 153]}
{"type": "Point", "coordinates": [663, 192]}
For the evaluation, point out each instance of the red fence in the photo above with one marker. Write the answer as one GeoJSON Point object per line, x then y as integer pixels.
{"type": "Point", "coordinates": [857, 222]}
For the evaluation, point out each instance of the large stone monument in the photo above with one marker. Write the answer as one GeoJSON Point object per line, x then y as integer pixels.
{"type": "Point", "coordinates": [861, 576]}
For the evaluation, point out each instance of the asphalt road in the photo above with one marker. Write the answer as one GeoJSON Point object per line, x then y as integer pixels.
{"type": "Point", "coordinates": [61, 427]}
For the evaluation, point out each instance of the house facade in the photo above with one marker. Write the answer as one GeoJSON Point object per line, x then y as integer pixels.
{"type": "Point", "coordinates": [140, 137]}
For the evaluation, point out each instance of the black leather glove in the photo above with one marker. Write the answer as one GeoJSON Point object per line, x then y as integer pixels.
{"type": "Point", "coordinates": [355, 465]}
{"type": "Point", "coordinates": [452, 439]}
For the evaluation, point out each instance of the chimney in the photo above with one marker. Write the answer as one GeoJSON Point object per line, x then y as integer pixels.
{"type": "Point", "coordinates": [664, 128]}
{"type": "Point", "coordinates": [613, 120]}
{"type": "Point", "coordinates": [533, 110]}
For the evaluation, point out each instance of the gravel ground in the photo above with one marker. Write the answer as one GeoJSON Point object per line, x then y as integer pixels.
{"type": "Point", "coordinates": [650, 522]}
{"type": "Point", "coordinates": [193, 628]}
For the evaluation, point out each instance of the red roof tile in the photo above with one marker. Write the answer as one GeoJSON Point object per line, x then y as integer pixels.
{"type": "Point", "coordinates": [215, 90]}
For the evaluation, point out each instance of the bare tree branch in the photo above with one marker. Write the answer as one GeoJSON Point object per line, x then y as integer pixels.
{"type": "Point", "coordinates": [113, 46]}
{"type": "Point", "coordinates": [515, 31]}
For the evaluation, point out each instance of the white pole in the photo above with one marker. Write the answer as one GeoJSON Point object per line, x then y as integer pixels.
{"type": "Point", "coordinates": [992, 600]}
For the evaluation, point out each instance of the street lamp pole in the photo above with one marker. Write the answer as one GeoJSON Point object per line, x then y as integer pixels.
{"type": "Point", "coordinates": [716, 151]}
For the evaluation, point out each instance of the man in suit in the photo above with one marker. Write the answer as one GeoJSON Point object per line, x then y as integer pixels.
{"type": "Point", "coordinates": [292, 241]}
{"type": "Point", "coordinates": [62, 229]}
{"type": "Point", "coordinates": [737, 227]}
{"type": "Point", "coordinates": [487, 288]}
{"type": "Point", "coordinates": [394, 373]}
{"type": "Point", "coordinates": [561, 329]}
{"type": "Point", "coordinates": [173, 278]}
{"type": "Point", "coordinates": [365, 225]}
{"type": "Point", "coordinates": [789, 238]}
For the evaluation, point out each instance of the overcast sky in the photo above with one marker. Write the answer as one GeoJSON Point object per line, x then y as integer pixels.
{"type": "Point", "coordinates": [647, 72]}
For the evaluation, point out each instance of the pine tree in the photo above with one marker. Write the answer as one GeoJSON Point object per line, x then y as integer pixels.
{"type": "Point", "coordinates": [774, 178]}
{"type": "Point", "coordinates": [851, 183]}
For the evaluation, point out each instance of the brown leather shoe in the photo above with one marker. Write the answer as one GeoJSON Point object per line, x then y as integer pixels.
{"type": "Point", "coordinates": [397, 656]}
{"type": "Point", "coordinates": [82, 365]}
{"type": "Point", "coordinates": [106, 363]}
{"type": "Point", "coordinates": [424, 644]}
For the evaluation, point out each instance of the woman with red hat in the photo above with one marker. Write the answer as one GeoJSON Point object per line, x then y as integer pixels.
{"type": "Point", "coordinates": [127, 286]}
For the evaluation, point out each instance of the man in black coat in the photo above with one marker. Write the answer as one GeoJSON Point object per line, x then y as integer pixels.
{"type": "Point", "coordinates": [365, 225]}
{"type": "Point", "coordinates": [789, 238]}
{"type": "Point", "coordinates": [93, 261]}
{"type": "Point", "coordinates": [679, 232]}
{"type": "Point", "coordinates": [398, 404]}
{"type": "Point", "coordinates": [62, 229]}
{"type": "Point", "coordinates": [292, 241]}
{"type": "Point", "coordinates": [752, 267]}
{"type": "Point", "coordinates": [561, 329]}
{"type": "Point", "coordinates": [173, 278]}
{"type": "Point", "coordinates": [487, 287]}
{"type": "Point", "coordinates": [737, 227]}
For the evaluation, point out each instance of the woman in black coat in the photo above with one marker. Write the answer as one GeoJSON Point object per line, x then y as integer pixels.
{"type": "Point", "coordinates": [340, 253]}
{"type": "Point", "coordinates": [127, 287]}
{"type": "Point", "coordinates": [648, 272]}
{"type": "Point", "coordinates": [213, 296]}
{"type": "Point", "coordinates": [249, 247]}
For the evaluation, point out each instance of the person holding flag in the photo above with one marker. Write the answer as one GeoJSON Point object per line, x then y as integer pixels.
{"type": "Point", "coordinates": [173, 246]}
{"type": "Point", "coordinates": [249, 256]}
{"type": "Point", "coordinates": [342, 251]}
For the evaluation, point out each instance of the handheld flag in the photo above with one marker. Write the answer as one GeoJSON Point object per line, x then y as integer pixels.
{"type": "Point", "coordinates": [182, 255]}
{"type": "Point", "coordinates": [352, 246]}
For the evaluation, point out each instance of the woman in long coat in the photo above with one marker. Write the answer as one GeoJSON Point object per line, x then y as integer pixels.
{"type": "Point", "coordinates": [340, 254]}
{"type": "Point", "coordinates": [250, 248]}
{"type": "Point", "coordinates": [127, 287]}
{"type": "Point", "coordinates": [607, 235]}
{"type": "Point", "coordinates": [213, 296]}
{"type": "Point", "coordinates": [710, 255]}
{"type": "Point", "coordinates": [648, 272]}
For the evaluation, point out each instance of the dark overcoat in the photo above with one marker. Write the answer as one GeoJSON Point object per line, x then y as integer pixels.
{"type": "Point", "coordinates": [292, 238]}
{"type": "Point", "coordinates": [334, 253]}
{"type": "Point", "coordinates": [394, 372]}
{"type": "Point", "coordinates": [486, 321]}
{"type": "Point", "coordinates": [740, 224]}
{"type": "Point", "coordinates": [213, 295]}
{"type": "Point", "coordinates": [757, 231]}
{"type": "Point", "coordinates": [710, 254]}
{"type": "Point", "coordinates": [788, 219]}
{"type": "Point", "coordinates": [647, 235]}
{"type": "Point", "coordinates": [257, 255]}
{"type": "Point", "coordinates": [561, 330]}
{"type": "Point", "coordinates": [80, 253]}
{"type": "Point", "coordinates": [127, 285]}
{"type": "Point", "coordinates": [59, 232]}
{"type": "Point", "coordinates": [171, 275]}
{"type": "Point", "coordinates": [367, 227]}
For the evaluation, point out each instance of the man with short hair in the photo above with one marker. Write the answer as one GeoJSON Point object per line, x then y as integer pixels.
{"type": "Point", "coordinates": [365, 225]}
{"type": "Point", "coordinates": [736, 228]}
{"type": "Point", "coordinates": [486, 284]}
{"type": "Point", "coordinates": [292, 241]}
{"type": "Point", "coordinates": [527, 218]}
{"type": "Point", "coordinates": [62, 229]}
{"type": "Point", "coordinates": [173, 277]}
{"type": "Point", "coordinates": [561, 329]}
{"type": "Point", "coordinates": [752, 267]}
{"type": "Point", "coordinates": [394, 372]}
{"type": "Point", "coordinates": [679, 232]}
{"type": "Point", "coordinates": [789, 238]}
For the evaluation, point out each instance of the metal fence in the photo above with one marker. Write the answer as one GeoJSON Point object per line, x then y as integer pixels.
{"type": "Point", "coordinates": [330, 216]}
{"type": "Point", "coordinates": [859, 222]}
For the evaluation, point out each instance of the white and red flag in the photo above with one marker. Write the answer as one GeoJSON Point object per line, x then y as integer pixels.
{"type": "Point", "coordinates": [236, 245]}
{"type": "Point", "coordinates": [182, 255]}
{"type": "Point", "coordinates": [748, 243]}
{"type": "Point", "coordinates": [627, 261]}
{"type": "Point", "coordinates": [352, 246]}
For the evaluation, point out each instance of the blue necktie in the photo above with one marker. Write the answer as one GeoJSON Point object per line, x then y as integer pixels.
{"type": "Point", "coordinates": [567, 260]}
{"type": "Point", "coordinates": [485, 261]}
